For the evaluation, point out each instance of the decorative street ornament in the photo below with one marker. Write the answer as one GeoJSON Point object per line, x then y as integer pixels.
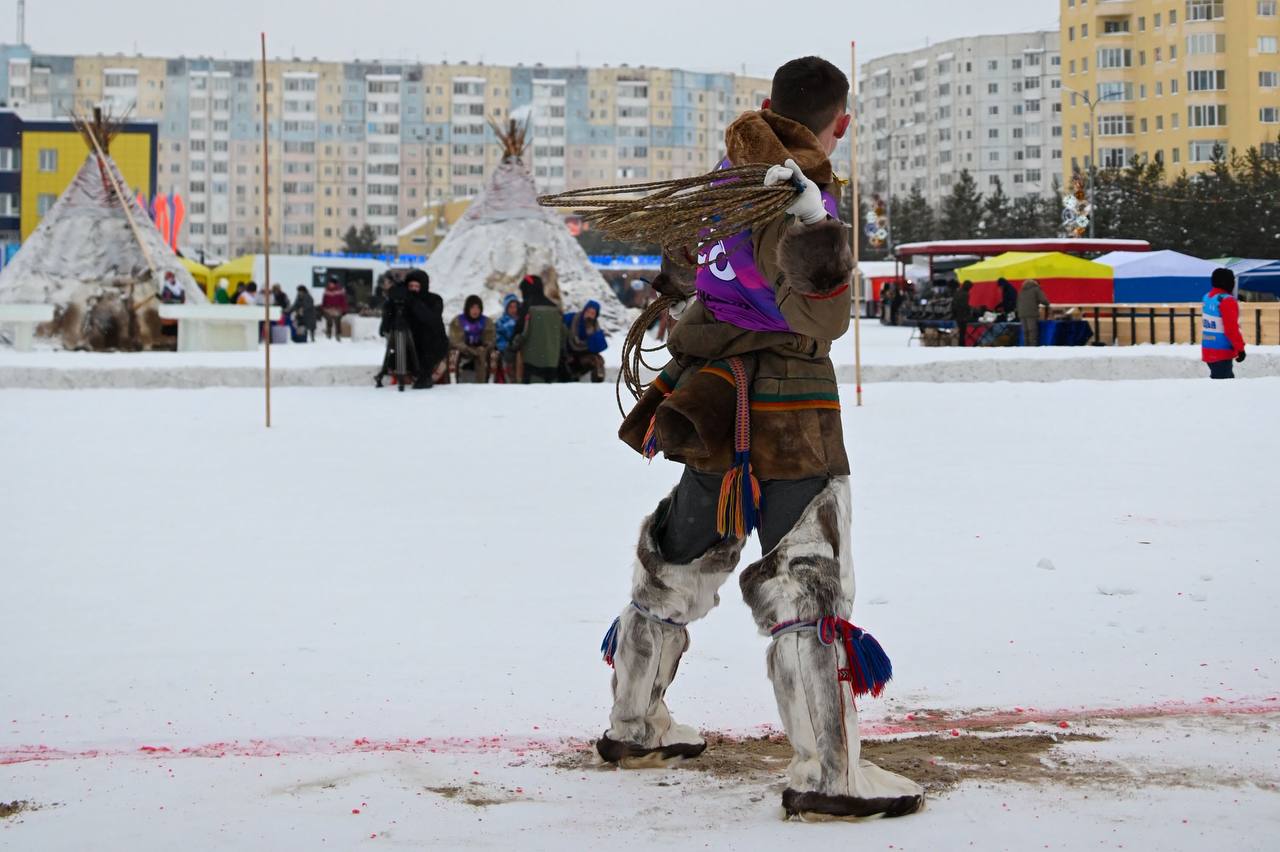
{"type": "Point", "coordinates": [1076, 210]}
{"type": "Point", "coordinates": [877, 219]}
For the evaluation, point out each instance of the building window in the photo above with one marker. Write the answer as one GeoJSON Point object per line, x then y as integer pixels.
{"type": "Point", "coordinates": [44, 201]}
{"type": "Point", "coordinates": [1115, 57]}
{"type": "Point", "coordinates": [9, 160]}
{"type": "Point", "coordinates": [1266, 44]}
{"type": "Point", "coordinates": [1206, 81]}
{"type": "Point", "coordinates": [1204, 10]}
{"type": "Point", "coordinates": [1207, 115]}
{"type": "Point", "coordinates": [1112, 92]}
{"type": "Point", "coordinates": [1203, 152]}
{"type": "Point", "coordinates": [1266, 8]}
{"type": "Point", "coordinates": [1115, 125]}
{"type": "Point", "coordinates": [1115, 25]}
{"type": "Point", "coordinates": [1269, 79]}
{"type": "Point", "coordinates": [48, 160]}
{"type": "Point", "coordinates": [9, 205]}
{"type": "Point", "coordinates": [1203, 43]}
{"type": "Point", "coordinates": [1269, 115]}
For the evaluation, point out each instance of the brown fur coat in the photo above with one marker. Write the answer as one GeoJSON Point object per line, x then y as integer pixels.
{"type": "Point", "coordinates": [795, 408]}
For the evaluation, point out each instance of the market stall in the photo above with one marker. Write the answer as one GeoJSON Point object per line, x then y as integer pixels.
{"type": "Point", "coordinates": [1158, 276]}
{"type": "Point", "coordinates": [1065, 279]}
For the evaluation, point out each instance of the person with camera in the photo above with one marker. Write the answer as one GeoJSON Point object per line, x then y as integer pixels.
{"type": "Point", "coordinates": [427, 321]}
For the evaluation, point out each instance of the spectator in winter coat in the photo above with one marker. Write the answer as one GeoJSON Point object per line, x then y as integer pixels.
{"type": "Point", "coordinates": [333, 305]}
{"type": "Point", "coordinates": [506, 328]}
{"type": "Point", "coordinates": [961, 312]}
{"type": "Point", "coordinates": [1222, 341]}
{"type": "Point", "coordinates": [1030, 299]}
{"type": "Point", "coordinates": [584, 343]}
{"type": "Point", "coordinates": [426, 311]}
{"type": "Point", "coordinates": [542, 333]}
{"type": "Point", "coordinates": [173, 292]}
{"type": "Point", "coordinates": [471, 340]}
{"type": "Point", "coordinates": [304, 313]}
{"type": "Point", "coordinates": [1008, 297]}
{"type": "Point", "coordinates": [279, 299]}
{"type": "Point", "coordinates": [220, 295]}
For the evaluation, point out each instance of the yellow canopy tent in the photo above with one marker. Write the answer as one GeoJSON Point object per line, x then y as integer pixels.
{"type": "Point", "coordinates": [236, 271]}
{"type": "Point", "coordinates": [200, 273]}
{"type": "Point", "coordinates": [1064, 278]}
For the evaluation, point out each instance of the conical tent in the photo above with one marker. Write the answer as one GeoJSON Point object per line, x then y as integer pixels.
{"type": "Point", "coordinates": [504, 236]}
{"type": "Point", "coordinates": [88, 260]}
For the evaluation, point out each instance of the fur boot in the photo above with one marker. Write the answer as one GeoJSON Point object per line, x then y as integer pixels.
{"type": "Point", "coordinates": [651, 638]}
{"type": "Point", "coordinates": [809, 575]}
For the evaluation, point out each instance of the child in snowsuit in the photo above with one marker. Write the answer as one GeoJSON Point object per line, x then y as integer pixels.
{"type": "Point", "coordinates": [507, 326]}
{"type": "Point", "coordinates": [750, 396]}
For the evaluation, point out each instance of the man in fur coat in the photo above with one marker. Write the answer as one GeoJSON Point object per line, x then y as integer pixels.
{"type": "Point", "coordinates": [749, 405]}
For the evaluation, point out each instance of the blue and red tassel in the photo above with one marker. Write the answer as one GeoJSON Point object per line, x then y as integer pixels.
{"type": "Point", "coordinates": [869, 666]}
{"type": "Point", "coordinates": [609, 647]}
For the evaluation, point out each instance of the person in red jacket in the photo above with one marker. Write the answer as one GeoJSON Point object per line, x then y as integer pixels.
{"type": "Point", "coordinates": [1221, 342]}
{"type": "Point", "coordinates": [333, 306]}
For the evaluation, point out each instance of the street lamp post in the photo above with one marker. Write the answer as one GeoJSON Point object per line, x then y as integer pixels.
{"type": "Point", "coordinates": [1092, 104]}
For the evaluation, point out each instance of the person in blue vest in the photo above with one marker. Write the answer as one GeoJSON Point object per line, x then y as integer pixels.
{"type": "Point", "coordinates": [1222, 343]}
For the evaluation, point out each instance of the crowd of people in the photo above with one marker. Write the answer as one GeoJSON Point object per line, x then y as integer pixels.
{"type": "Point", "coordinates": [950, 300]}
{"type": "Point", "coordinates": [532, 341]}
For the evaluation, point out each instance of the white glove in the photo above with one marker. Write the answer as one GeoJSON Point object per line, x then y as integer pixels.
{"type": "Point", "coordinates": [677, 309]}
{"type": "Point", "coordinates": [808, 206]}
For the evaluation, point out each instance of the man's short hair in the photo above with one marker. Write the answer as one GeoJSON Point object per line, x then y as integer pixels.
{"type": "Point", "coordinates": [809, 90]}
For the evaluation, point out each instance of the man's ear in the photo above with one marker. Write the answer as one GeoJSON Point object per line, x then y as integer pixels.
{"type": "Point", "coordinates": [766, 103]}
{"type": "Point", "coordinates": [842, 126]}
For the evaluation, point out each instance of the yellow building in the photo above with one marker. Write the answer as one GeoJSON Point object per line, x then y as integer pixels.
{"type": "Point", "coordinates": [1168, 80]}
{"type": "Point", "coordinates": [53, 152]}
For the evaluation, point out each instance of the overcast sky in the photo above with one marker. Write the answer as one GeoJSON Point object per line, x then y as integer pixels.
{"type": "Point", "coordinates": [721, 36]}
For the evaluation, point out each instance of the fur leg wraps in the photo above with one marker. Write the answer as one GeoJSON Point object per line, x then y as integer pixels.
{"type": "Point", "coordinates": [651, 636]}
{"type": "Point", "coordinates": [806, 578]}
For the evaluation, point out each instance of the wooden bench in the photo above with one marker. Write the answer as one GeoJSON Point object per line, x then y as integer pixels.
{"type": "Point", "coordinates": [217, 328]}
{"type": "Point", "coordinates": [24, 319]}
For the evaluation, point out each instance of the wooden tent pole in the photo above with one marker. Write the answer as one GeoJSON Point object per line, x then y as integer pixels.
{"type": "Point", "coordinates": [128, 214]}
{"type": "Point", "coordinates": [266, 232]}
{"type": "Point", "coordinates": [857, 217]}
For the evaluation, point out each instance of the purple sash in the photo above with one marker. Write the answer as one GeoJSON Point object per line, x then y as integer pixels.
{"type": "Point", "coordinates": [731, 286]}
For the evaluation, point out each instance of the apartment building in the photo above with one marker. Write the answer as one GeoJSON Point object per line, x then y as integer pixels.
{"type": "Point", "coordinates": [989, 104]}
{"type": "Point", "coordinates": [1169, 80]}
{"type": "Point", "coordinates": [374, 143]}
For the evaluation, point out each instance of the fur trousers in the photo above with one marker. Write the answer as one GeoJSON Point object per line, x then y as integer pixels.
{"type": "Point", "coordinates": [808, 575]}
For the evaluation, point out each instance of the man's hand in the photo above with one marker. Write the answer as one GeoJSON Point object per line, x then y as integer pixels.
{"type": "Point", "coordinates": [1240, 357]}
{"type": "Point", "coordinates": [808, 206]}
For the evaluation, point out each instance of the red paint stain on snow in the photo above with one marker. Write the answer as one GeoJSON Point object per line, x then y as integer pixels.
{"type": "Point", "coordinates": [917, 722]}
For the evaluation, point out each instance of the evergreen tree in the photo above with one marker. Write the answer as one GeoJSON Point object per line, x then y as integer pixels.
{"type": "Point", "coordinates": [996, 213]}
{"type": "Point", "coordinates": [911, 219]}
{"type": "Point", "coordinates": [364, 241]}
{"type": "Point", "coordinates": [961, 210]}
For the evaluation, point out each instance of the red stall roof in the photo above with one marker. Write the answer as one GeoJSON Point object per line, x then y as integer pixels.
{"type": "Point", "coordinates": [987, 248]}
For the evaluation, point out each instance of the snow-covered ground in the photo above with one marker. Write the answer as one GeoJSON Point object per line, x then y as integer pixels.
{"type": "Point", "coordinates": [888, 355]}
{"type": "Point", "coordinates": [379, 621]}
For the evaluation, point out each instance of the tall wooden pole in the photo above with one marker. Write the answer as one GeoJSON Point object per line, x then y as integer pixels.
{"type": "Point", "coordinates": [857, 222]}
{"type": "Point", "coordinates": [266, 229]}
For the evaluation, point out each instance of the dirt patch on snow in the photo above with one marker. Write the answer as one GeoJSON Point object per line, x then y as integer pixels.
{"type": "Point", "coordinates": [942, 762]}
{"type": "Point", "coordinates": [475, 794]}
{"type": "Point", "coordinates": [12, 809]}
{"type": "Point", "coordinates": [938, 762]}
